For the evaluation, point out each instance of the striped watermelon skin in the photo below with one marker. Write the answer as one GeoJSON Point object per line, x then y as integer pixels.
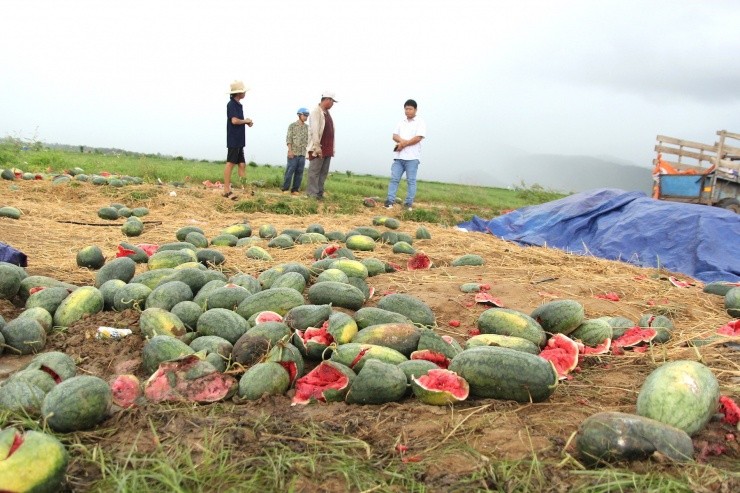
{"type": "Point", "coordinates": [503, 373]}
{"type": "Point", "coordinates": [78, 403]}
{"type": "Point", "coordinates": [683, 394]}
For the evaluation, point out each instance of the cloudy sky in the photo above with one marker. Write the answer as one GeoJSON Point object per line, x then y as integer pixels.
{"type": "Point", "coordinates": [492, 78]}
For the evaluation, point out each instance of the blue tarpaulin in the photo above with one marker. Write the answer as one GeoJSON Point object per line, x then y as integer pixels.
{"type": "Point", "coordinates": [697, 240]}
{"type": "Point", "coordinates": [12, 256]}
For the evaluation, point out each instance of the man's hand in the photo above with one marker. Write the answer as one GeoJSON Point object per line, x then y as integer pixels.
{"type": "Point", "coordinates": [248, 122]}
{"type": "Point", "coordinates": [291, 155]}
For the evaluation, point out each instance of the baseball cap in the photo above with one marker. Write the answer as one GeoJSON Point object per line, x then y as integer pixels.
{"type": "Point", "coordinates": [302, 111]}
{"type": "Point", "coordinates": [329, 94]}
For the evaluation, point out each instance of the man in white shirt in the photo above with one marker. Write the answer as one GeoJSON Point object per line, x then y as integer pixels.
{"type": "Point", "coordinates": [408, 136]}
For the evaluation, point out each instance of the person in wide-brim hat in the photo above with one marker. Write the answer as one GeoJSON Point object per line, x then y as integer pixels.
{"type": "Point", "coordinates": [238, 87]}
{"type": "Point", "coordinates": [235, 136]}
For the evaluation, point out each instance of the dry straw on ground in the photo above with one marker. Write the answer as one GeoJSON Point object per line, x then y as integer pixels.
{"type": "Point", "coordinates": [522, 278]}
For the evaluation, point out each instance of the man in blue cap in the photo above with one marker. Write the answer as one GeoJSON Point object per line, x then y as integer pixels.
{"type": "Point", "coordinates": [297, 140]}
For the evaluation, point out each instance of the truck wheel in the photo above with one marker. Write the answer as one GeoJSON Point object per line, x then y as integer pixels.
{"type": "Point", "coordinates": [729, 203]}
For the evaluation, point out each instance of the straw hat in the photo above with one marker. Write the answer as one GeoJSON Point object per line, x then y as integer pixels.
{"type": "Point", "coordinates": [238, 86]}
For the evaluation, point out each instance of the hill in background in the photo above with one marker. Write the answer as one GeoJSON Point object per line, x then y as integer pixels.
{"type": "Point", "coordinates": [556, 172]}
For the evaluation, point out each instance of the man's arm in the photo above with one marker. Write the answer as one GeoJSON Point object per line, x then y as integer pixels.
{"type": "Point", "coordinates": [239, 121]}
{"type": "Point", "coordinates": [405, 143]}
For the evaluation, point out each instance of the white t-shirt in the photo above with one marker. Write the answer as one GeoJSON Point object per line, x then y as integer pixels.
{"type": "Point", "coordinates": [408, 129]}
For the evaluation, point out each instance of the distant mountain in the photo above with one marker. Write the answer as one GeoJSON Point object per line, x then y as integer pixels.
{"type": "Point", "coordinates": [557, 172]}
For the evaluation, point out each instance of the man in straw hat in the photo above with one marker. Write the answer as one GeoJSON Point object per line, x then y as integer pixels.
{"type": "Point", "coordinates": [320, 147]}
{"type": "Point", "coordinates": [235, 136]}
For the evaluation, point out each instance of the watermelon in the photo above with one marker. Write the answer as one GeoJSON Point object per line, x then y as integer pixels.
{"type": "Point", "coordinates": [328, 382]}
{"type": "Point", "coordinates": [78, 403]}
{"type": "Point", "coordinates": [334, 275]}
{"type": "Point", "coordinates": [181, 233]}
{"type": "Point", "coordinates": [122, 268]}
{"type": "Point", "coordinates": [81, 302]}
{"type": "Point", "coordinates": [162, 348]}
{"type": "Point", "coordinates": [32, 461]}
{"type": "Point", "coordinates": [157, 321]}
{"type": "Point", "coordinates": [503, 373]}
{"type": "Point", "coordinates": [342, 328]}
{"type": "Point", "coordinates": [611, 437]}
{"type": "Point", "coordinates": [508, 322]}
{"type": "Point", "coordinates": [336, 294]}
{"type": "Point", "coordinates": [314, 342]}
{"type": "Point", "coordinates": [562, 352]}
{"type": "Point", "coordinates": [23, 336]}
{"type": "Point", "coordinates": [440, 387]}
{"type": "Point", "coordinates": [422, 233]}
{"type": "Point", "coordinates": [409, 306]}
{"type": "Point", "coordinates": [90, 257]}
{"type": "Point", "coordinates": [269, 378]}
{"type": "Point", "coordinates": [377, 383]}
{"type": "Point", "coordinates": [189, 379]}
{"type": "Point", "coordinates": [416, 368]}
{"type": "Point", "coordinates": [732, 302]}
{"type": "Point", "coordinates": [559, 316]}
{"type": "Point", "coordinates": [40, 315]}
{"type": "Point", "coordinates": [356, 355]}
{"type": "Point", "coordinates": [403, 337]}
{"type": "Point", "coordinates": [684, 394]}
{"type": "Point", "coordinates": [133, 295]}
{"type": "Point", "coordinates": [222, 323]}
{"type": "Point", "coordinates": [467, 260]}
{"type": "Point", "coordinates": [361, 243]}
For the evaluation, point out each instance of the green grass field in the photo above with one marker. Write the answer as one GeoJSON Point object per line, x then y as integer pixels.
{"type": "Point", "coordinates": [436, 202]}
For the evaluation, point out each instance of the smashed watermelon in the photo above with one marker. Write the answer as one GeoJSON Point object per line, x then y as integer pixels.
{"type": "Point", "coordinates": [419, 261]}
{"type": "Point", "coordinates": [634, 337]}
{"type": "Point", "coordinates": [440, 387]}
{"type": "Point", "coordinates": [328, 382]}
{"type": "Point", "coordinates": [562, 352]}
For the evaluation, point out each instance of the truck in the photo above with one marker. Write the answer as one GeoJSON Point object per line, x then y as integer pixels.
{"type": "Point", "coordinates": [692, 172]}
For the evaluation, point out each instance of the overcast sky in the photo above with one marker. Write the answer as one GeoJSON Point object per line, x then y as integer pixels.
{"type": "Point", "coordinates": [490, 77]}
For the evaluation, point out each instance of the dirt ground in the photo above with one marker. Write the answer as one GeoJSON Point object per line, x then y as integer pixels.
{"type": "Point", "coordinates": [522, 278]}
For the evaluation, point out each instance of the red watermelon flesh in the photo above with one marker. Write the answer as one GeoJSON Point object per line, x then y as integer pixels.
{"type": "Point", "coordinates": [359, 356]}
{"type": "Point", "coordinates": [17, 442]}
{"type": "Point", "coordinates": [488, 299]}
{"type": "Point", "coordinates": [602, 348]}
{"type": "Point", "coordinates": [438, 359]}
{"type": "Point", "coordinates": [634, 336]}
{"type": "Point", "coordinates": [318, 335]}
{"type": "Point", "coordinates": [419, 261]}
{"type": "Point", "coordinates": [291, 368]}
{"type": "Point", "coordinates": [51, 373]}
{"type": "Point", "coordinates": [313, 384]}
{"type": "Point", "coordinates": [562, 352]}
{"type": "Point", "coordinates": [124, 252]}
{"type": "Point", "coordinates": [268, 316]}
{"type": "Point", "coordinates": [730, 410]}
{"type": "Point", "coordinates": [185, 380]}
{"type": "Point", "coordinates": [126, 390]}
{"type": "Point", "coordinates": [330, 251]}
{"type": "Point", "coordinates": [445, 381]}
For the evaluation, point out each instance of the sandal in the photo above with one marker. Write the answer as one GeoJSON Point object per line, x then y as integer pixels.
{"type": "Point", "coordinates": [230, 196]}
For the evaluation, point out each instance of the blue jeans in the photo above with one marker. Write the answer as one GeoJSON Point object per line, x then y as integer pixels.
{"type": "Point", "coordinates": [399, 167]}
{"type": "Point", "coordinates": [294, 173]}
